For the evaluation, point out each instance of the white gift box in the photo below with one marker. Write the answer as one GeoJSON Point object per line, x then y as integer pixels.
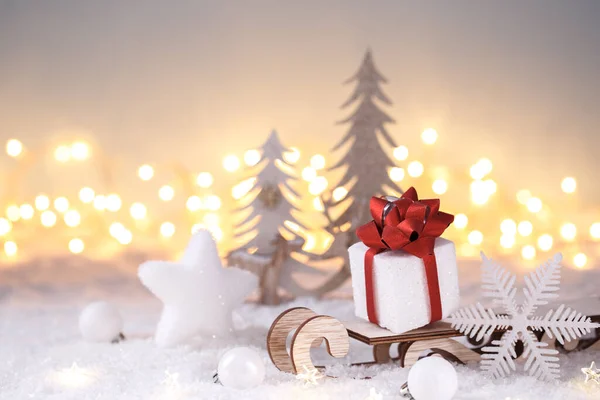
{"type": "Point", "coordinates": [400, 285]}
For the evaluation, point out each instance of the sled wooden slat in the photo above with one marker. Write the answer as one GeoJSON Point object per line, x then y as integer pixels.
{"type": "Point", "coordinates": [372, 334]}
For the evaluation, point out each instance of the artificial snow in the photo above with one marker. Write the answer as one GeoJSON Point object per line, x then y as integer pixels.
{"type": "Point", "coordinates": [401, 295]}
{"type": "Point", "coordinates": [43, 355]}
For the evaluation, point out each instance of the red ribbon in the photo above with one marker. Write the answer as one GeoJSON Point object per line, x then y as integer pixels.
{"type": "Point", "coordinates": [407, 224]}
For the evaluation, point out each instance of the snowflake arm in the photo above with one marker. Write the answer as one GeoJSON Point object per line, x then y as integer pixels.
{"type": "Point", "coordinates": [563, 324]}
{"type": "Point", "coordinates": [541, 363]}
{"type": "Point", "coordinates": [475, 321]}
{"type": "Point", "coordinates": [542, 284]}
{"type": "Point", "coordinates": [499, 284]}
{"type": "Point", "coordinates": [498, 360]}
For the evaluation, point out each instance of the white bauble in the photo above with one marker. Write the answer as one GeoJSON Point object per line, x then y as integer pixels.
{"type": "Point", "coordinates": [432, 378]}
{"type": "Point", "coordinates": [241, 368]}
{"type": "Point", "coordinates": [100, 322]}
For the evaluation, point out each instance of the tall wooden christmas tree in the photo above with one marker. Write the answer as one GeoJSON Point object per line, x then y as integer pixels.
{"type": "Point", "coordinates": [367, 164]}
{"type": "Point", "coordinates": [268, 253]}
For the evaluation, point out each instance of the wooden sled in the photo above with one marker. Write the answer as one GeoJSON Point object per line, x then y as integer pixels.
{"type": "Point", "coordinates": [310, 329]}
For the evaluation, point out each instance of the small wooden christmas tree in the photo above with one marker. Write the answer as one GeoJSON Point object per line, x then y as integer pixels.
{"type": "Point", "coordinates": [269, 252]}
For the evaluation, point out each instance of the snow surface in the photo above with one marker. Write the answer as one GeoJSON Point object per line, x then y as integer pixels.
{"type": "Point", "coordinates": [43, 356]}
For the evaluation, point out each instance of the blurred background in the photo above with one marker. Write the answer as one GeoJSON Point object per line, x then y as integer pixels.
{"type": "Point", "coordinates": [127, 124]}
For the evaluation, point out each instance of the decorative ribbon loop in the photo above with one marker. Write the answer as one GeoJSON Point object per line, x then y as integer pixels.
{"type": "Point", "coordinates": [407, 224]}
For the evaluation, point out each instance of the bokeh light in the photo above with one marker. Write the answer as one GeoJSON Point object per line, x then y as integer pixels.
{"type": "Point", "coordinates": [26, 211]}
{"type": "Point", "coordinates": [507, 241]}
{"type": "Point", "coordinates": [292, 156]}
{"type": "Point", "coordinates": [13, 212]}
{"type": "Point", "coordinates": [479, 193]}
{"type": "Point", "coordinates": [317, 161]}
{"type": "Point", "coordinates": [72, 218]}
{"type": "Point", "coordinates": [429, 136]}
{"type": "Point", "coordinates": [5, 226]}
{"type": "Point", "coordinates": [528, 252]}
{"type": "Point", "coordinates": [339, 193]}
{"type": "Point", "coordinates": [231, 163]}
{"type": "Point", "coordinates": [86, 195]}
{"type": "Point", "coordinates": [568, 231]}
{"type": "Point", "coordinates": [113, 202]}
{"type": "Point", "coordinates": [42, 202]}
{"type": "Point", "coordinates": [80, 151]}
{"type": "Point", "coordinates": [401, 153]}
{"type": "Point", "coordinates": [525, 228]}
{"type": "Point", "coordinates": [193, 203]}
{"type": "Point", "coordinates": [204, 180]}
{"type": "Point", "coordinates": [116, 228]}
{"type": "Point", "coordinates": [481, 168]}
{"type": "Point", "coordinates": [62, 153]}
{"type": "Point", "coordinates": [167, 229]}
{"type": "Point", "coordinates": [318, 204]}
{"type": "Point", "coordinates": [397, 174]}
{"type": "Point", "coordinates": [595, 230]}
{"type": "Point", "coordinates": [10, 248]}
{"type": "Point", "coordinates": [580, 260]}
{"type": "Point", "coordinates": [545, 242]}
{"type": "Point", "coordinates": [309, 173]}
{"type": "Point", "coordinates": [61, 204]}
{"type": "Point", "coordinates": [461, 221]}
{"type": "Point", "coordinates": [568, 185]}
{"type": "Point", "coordinates": [48, 218]}
{"type": "Point", "coordinates": [439, 186]}
{"type": "Point", "coordinates": [14, 147]}
{"type": "Point", "coordinates": [534, 205]}
{"type": "Point", "coordinates": [252, 157]}
{"type": "Point", "coordinates": [475, 238]}
{"type": "Point", "coordinates": [508, 227]}
{"type": "Point", "coordinates": [100, 202]}
{"type": "Point", "coordinates": [166, 193]}
{"type": "Point", "coordinates": [76, 246]}
{"type": "Point", "coordinates": [138, 211]}
{"type": "Point", "coordinates": [317, 185]}
{"type": "Point", "coordinates": [145, 172]}
{"type": "Point", "coordinates": [415, 169]}
{"type": "Point", "coordinates": [523, 196]}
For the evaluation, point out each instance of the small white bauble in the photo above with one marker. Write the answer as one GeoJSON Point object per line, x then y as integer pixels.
{"type": "Point", "coordinates": [432, 378]}
{"type": "Point", "coordinates": [241, 368]}
{"type": "Point", "coordinates": [100, 322]}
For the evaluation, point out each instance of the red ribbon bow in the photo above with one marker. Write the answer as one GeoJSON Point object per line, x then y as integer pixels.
{"type": "Point", "coordinates": [407, 224]}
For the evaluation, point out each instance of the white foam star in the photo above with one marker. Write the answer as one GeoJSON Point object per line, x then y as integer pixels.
{"type": "Point", "coordinates": [197, 292]}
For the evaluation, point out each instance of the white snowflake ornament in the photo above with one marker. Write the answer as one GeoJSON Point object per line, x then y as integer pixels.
{"type": "Point", "coordinates": [199, 295]}
{"type": "Point", "coordinates": [519, 321]}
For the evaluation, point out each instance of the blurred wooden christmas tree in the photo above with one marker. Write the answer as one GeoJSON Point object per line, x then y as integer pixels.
{"type": "Point", "coordinates": [268, 252]}
{"type": "Point", "coordinates": [366, 164]}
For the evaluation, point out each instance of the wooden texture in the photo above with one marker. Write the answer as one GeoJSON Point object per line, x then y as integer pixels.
{"type": "Point", "coordinates": [310, 330]}
{"type": "Point", "coordinates": [381, 353]}
{"type": "Point", "coordinates": [371, 334]}
{"type": "Point", "coordinates": [448, 348]}
{"type": "Point", "coordinates": [285, 323]}
{"type": "Point", "coordinates": [269, 279]}
{"type": "Point", "coordinates": [315, 328]}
